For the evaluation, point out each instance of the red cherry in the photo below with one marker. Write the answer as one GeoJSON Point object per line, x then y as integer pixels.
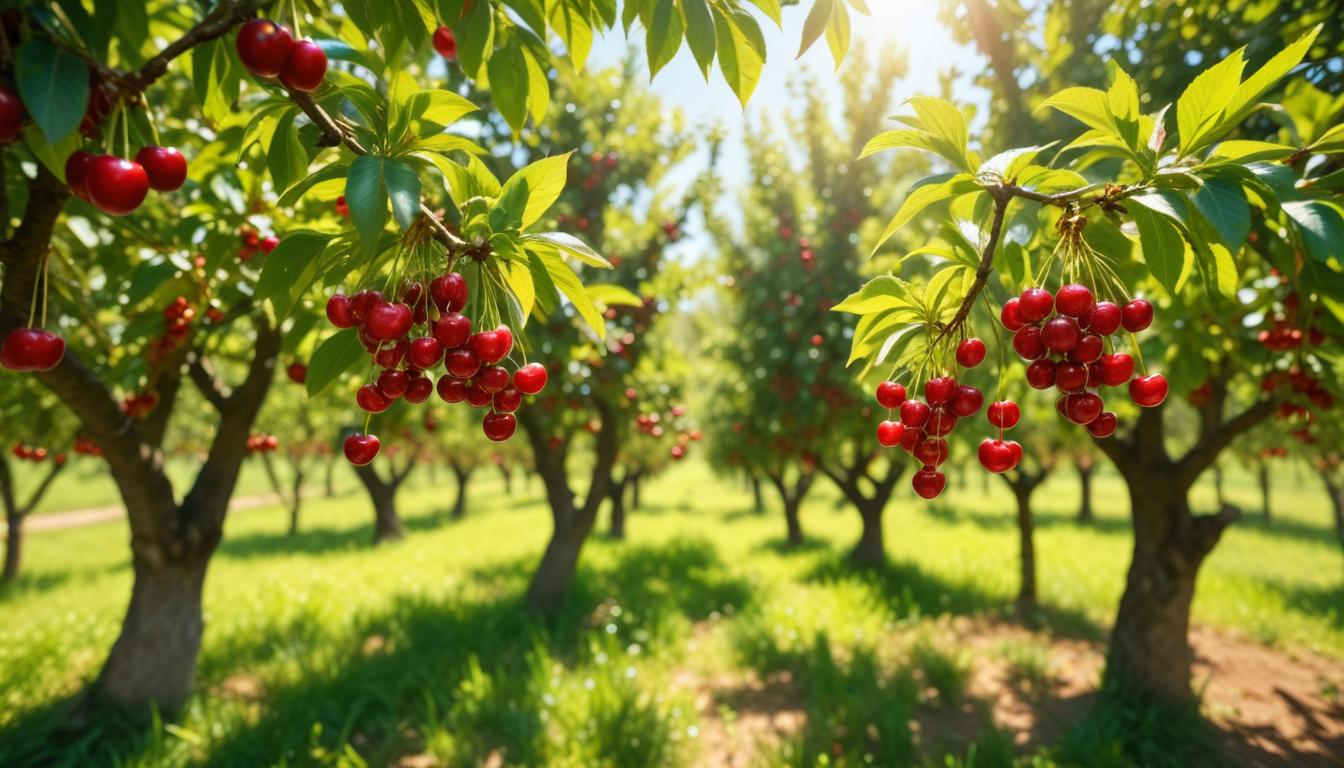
{"type": "Point", "coordinates": [1088, 349]}
{"type": "Point", "coordinates": [499, 426]}
{"type": "Point", "coordinates": [390, 355]}
{"type": "Point", "coordinates": [462, 363]}
{"type": "Point", "coordinates": [115, 185]}
{"type": "Point", "coordinates": [492, 378]}
{"type": "Point", "coordinates": [11, 114]}
{"type": "Point", "coordinates": [1094, 378]}
{"type": "Point", "coordinates": [970, 352]}
{"type": "Point", "coordinates": [967, 401]}
{"type": "Point", "coordinates": [508, 400]}
{"type": "Point", "coordinates": [362, 303]}
{"type": "Point", "coordinates": [890, 394]}
{"type": "Point", "coordinates": [941, 422]}
{"type": "Point", "coordinates": [1003, 414]}
{"type": "Point", "coordinates": [452, 330]}
{"type": "Point", "coordinates": [477, 397]}
{"type": "Point", "coordinates": [449, 292]}
{"type": "Point", "coordinates": [915, 413]}
{"type": "Point", "coordinates": [492, 346]}
{"type": "Point", "coordinates": [1071, 377]}
{"type": "Point", "coordinates": [1104, 319]}
{"type": "Point", "coordinates": [425, 352]}
{"type": "Point", "coordinates": [269, 243]}
{"type": "Point", "coordinates": [1041, 374]}
{"type": "Point", "coordinates": [910, 437]}
{"type": "Point", "coordinates": [452, 390]}
{"type": "Point", "coordinates": [1034, 305]}
{"type": "Point", "coordinates": [369, 399]}
{"type": "Point", "coordinates": [1103, 426]}
{"type": "Point", "coordinates": [360, 449]}
{"type": "Point", "coordinates": [445, 44]}
{"type": "Point", "coordinates": [1060, 334]}
{"type": "Point", "coordinates": [1082, 408]}
{"type": "Point", "coordinates": [1137, 315]}
{"type": "Point", "coordinates": [1009, 315]}
{"type": "Point", "coordinates": [31, 349]}
{"type": "Point", "coordinates": [77, 173]}
{"type": "Point", "coordinates": [297, 372]}
{"type": "Point", "coordinates": [263, 47]}
{"type": "Point", "coordinates": [1116, 369]}
{"type": "Point", "coordinates": [165, 166]}
{"type": "Point", "coordinates": [386, 321]}
{"type": "Point", "coordinates": [530, 379]}
{"type": "Point", "coordinates": [931, 451]}
{"type": "Point", "coordinates": [393, 384]}
{"type": "Point", "coordinates": [1148, 391]}
{"type": "Point", "coordinates": [940, 390]}
{"type": "Point", "coordinates": [1073, 300]}
{"type": "Point", "coordinates": [928, 482]}
{"type": "Point", "coordinates": [1028, 344]}
{"type": "Point", "coordinates": [996, 455]}
{"type": "Point", "coordinates": [418, 390]}
{"type": "Point", "coordinates": [305, 67]}
{"type": "Point", "coordinates": [889, 433]}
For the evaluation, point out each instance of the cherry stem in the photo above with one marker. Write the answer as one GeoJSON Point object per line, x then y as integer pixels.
{"type": "Point", "coordinates": [37, 283]}
{"type": "Point", "coordinates": [125, 133]}
{"type": "Point", "coordinates": [368, 419]}
{"type": "Point", "coordinates": [1138, 352]}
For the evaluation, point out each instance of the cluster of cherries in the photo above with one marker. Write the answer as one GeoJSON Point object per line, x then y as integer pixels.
{"type": "Point", "coordinates": [651, 424]}
{"type": "Point", "coordinates": [267, 49]}
{"type": "Point", "coordinates": [1063, 336]}
{"type": "Point", "coordinates": [471, 359]}
{"type": "Point", "coordinates": [31, 349]}
{"type": "Point", "coordinates": [262, 443]}
{"type": "Point", "coordinates": [119, 186]}
{"type": "Point", "coordinates": [138, 404]}
{"type": "Point", "coordinates": [35, 454]}
{"type": "Point", "coordinates": [177, 318]}
{"type": "Point", "coordinates": [254, 243]}
{"type": "Point", "coordinates": [86, 447]}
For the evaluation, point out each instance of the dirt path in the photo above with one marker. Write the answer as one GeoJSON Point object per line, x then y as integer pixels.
{"type": "Point", "coordinates": [97, 515]}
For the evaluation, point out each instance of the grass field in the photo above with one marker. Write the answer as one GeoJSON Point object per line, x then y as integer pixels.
{"type": "Point", "coordinates": [320, 649]}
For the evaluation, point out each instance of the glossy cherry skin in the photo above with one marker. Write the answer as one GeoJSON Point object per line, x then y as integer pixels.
{"type": "Point", "coordinates": [269, 243]}
{"type": "Point", "coordinates": [77, 173]}
{"type": "Point", "coordinates": [263, 47]}
{"type": "Point", "coordinates": [970, 352]}
{"type": "Point", "coordinates": [369, 399]}
{"type": "Point", "coordinates": [1082, 408]}
{"type": "Point", "coordinates": [931, 451]}
{"type": "Point", "coordinates": [1137, 315]}
{"type": "Point", "coordinates": [452, 330]}
{"type": "Point", "coordinates": [996, 455]}
{"type": "Point", "coordinates": [11, 114]}
{"type": "Point", "coordinates": [425, 352]}
{"type": "Point", "coordinates": [492, 378]}
{"type": "Point", "coordinates": [1028, 344]}
{"type": "Point", "coordinates": [419, 390]}
{"type": "Point", "coordinates": [1071, 377]}
{"type": "Point", "coordinates": [1003, 414]}
{"type": "Point", "coordinates": [1009, 315]}
{"type": "Point", "coordinates": [363, 302]}
{"type": "Point", "coordinates": [1041, 374]}
{"type": "Point", "coordinates": [499, 426]}
{"type": "Point", "coordinates": [915, 413]}
{"type": "Point", "coordinates": [928, 482]}
{"type": "Point", "coordinates": [1034, 305]}
{"type": "Point", "coordinates": [390, 355]}
{"type": "Point", "coordinates": [1104, 319]}
{"type": "Point", "coordinates": [889, 433]}
{"type": "Point", "coordinates": [461, 363]}
{"type": "Point", "coordinates": [31, 349]}
{"type": "Point", "coordinates": [941, 423]}
{"type": "Point", "coordinates": [445, 44]}
{"type": "Point", "coordinates": [492, 346]}
{"type": "Point", "coordinates": [297, 372]}
{"type": "Point", "coordinates": [305, 68]}
{"type": "Point", "coordinates": [1148, 391]}
{"type": "Point", "coordinates": [530, 379]}
{"type": "Point", "coordinates": [477, 397]}
{"type": "Point", "coordinates": [1116, 369]}
{"type": "Point", "coordinates": [452, 390]}
{"type": "Point", "coordinates": [449, 292]}
{"type": "Point", "coordinates": [967, 401]}
{"type": "Point", "coordinates": [165, 166]}
{"type": "Point", "coordinates": [387, 322]}
{"type": "Point", "coordinates": [939, 390]}
{"type": "Point", "coordinates": [1088, 349]}
{"type": "Point", "coordinates": [360, 449]}
{"type": "Point", "coordinates": [890, 394]}
{"type": "Point", "coordinates": [508, 400]}
{"type": "Point", "coordinates": [1073, 300]}
{"type": "Point", "coordinates": [1103, 426]}
{"type": "Point", "coordinates": [1060, 334]}
{"type": "Point", "coordinates": [393, 384]}
{"type": "Point", "coordinates": [115, 185]}
{"type": "Point", "coordinates": [910, 437]}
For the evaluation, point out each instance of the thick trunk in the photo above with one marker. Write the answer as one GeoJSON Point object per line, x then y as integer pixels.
{"type": "Point", "coordinates": [508, 479]}
{"type": "Point", "coordinates": [1219, 497]}
{"type": "Point", "coordinates": [1085, 507]}
{"type": "Point", "coordinates": [154, 658]}
{"type": "Point", "coordinates": [386, 525]}
{"type": "Point", "coordinates": [463, 476]}
{"type": "Point", "coordinates": [791, 519]}
{"type": "Point", "coordinates": [869, 550]}
{"type": "Point", "coordinates": [1264, 491]}
{"type": "Point", "coordinates": [551, 581]}
{"type": "Point", "coordinates": [1335, 490]}
{"type": "Point", "coordinates": [757, 502]}
{"type": "Point", "coordinates": [295, 498]}
{"type": "Point", "coordinates": [330, 481]}
{"type": "Point", "coordinates": [618, 509]}
{"type": "Point", "coordinates": [1026, 546]}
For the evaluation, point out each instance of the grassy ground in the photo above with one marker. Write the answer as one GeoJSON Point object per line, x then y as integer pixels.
{"type": "Point", "coordinates": [322, 650]}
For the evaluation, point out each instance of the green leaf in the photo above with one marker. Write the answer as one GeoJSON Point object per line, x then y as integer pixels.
{"type": "Point", "coordinates": [519, 279]}
{"type": "Point", "coordinates": [564, 279]}
{"type": "Point", "coordinates": [545, 181]}
{"type": "Point", "coordinates": [837, 34]}
{"type": "Point", "coordinates": [1201, 105]}
{"type": "Point", "coordinates": [1163, 248]}
{"type": "Point", "coordinates": [1123, 104]}
{"type": "Point", "coordinates": [700, 36]}
{"type": "Point", "coordinates": [663, 36]}
{"type": "Point", "coordinates": [612, 295]}
{"type": "Point", "coordinates": [1249, 93]}
{"type": "Point", "coordinates": [437, 106]}
{"type": "Point", "coordinates": [475, 38]}
{"type": "Point", "coordinates": [298, 190]}
{"type": "Point", "coordinates": [880, 293]}
{"type": "Point", "coordinates": [336, 355]}
{"type": "Point", "coordinates": [366, 196]}
{"type": "Point", "coordinates": [538, 89]}
{"type": "Point", "coordinates": [770, 8]}
{"type": "Point", "coordinates": [508, 84]}
{"type": "Point", "coordinates": [1089, 106]}
{"type": "Point", "coordinates": [926, 192]}
{"type": "Point", "coordinates": [1224, 205]}
{"type": "Point", "coordinates": [54, 85]}
{"type": "Point", "coordinates": [739, 60]}
{"type": "Point", "coordinates": [291, 269]}
{"type": "Point", "coordinates": [941, 118]}
{"type": "Point", "coordinates": [506, 215]}
{"type": "Point", "coordinates": [1239, 151]}
{"type": "Point", "coordinates": [570, 245]}
{"type": "Point", "coordinates": [572, 26]}
{"type": "Point", "coordinates": [403, 187]}
{"type": "Point", "coordinates": [815, 25]}
{"type": "Point", "coordinates": [1332, 140]}
{"type": "Point", "coordinates": [1009, 164]}
{"type": "Point", "coordinates": [1321, 226]}
{"type": "Point", "coordinates": [1166, 203]}
{"type": "Point", "coordinates": [286, 159]}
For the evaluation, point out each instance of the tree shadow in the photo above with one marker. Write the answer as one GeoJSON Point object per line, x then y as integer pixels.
{"type": "Point", "coordinates": [783, 547]}
{"type": "Point", "coordinates": [43, 581]}
{"type": "Point", "coordinates": [317, 540]}
{"type": "Point", "coordinates": [1324, 601]}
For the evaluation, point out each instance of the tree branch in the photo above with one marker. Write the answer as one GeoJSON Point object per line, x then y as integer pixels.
{"type": "Point", "coordinates": [1206, 451]}
{"type": "Point", "coordinates": [224, 17]}
{"type": "Point", "coordinates": [1001, 200]}
{"type": "Point", "coordinates": [203, 376]}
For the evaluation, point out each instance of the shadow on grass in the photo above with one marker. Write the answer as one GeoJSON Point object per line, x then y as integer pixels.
{"type": "Point", "coordinates": [312, 540]}
{"type": "Point", "coordinates": [1324, 601]}
{"type": "Point", "coordinates": [784, 547]}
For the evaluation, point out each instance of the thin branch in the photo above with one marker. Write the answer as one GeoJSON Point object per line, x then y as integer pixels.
{"type": "Point", "coordinates": [1001, 197]}
{"type": "Point", "coordinates": [224, 17]}
{"type": "Point", "coordinates": [1206, 451]}
{"type": "Point", "coordinates": [203, 376]}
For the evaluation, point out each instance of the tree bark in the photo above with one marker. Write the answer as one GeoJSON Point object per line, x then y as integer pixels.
{"type": "Point", "coordinates": [792, 498]}
{"type": "Point", "coordinates": [1085, 514]}
{"type": "Point", "coordinates": [635, 502]}
{"type": "Point", "coordinates": [508, 478]}
{"type": "Point", "coordinates": [757, 502]}
{"type": "Point", "coordinates": [618, 508]}
{"type": "Point", "coordinates": [13, 523]}
{"type": "Point", "coordinates": [1335, 490]}
{"type": "Point", "coordinates": [463, 475]}
{"type": "Point", "coordinates": [383, 493]}
{"type": "Point", "coordinates": [1264, 491]}
{"type": "Point", "coordinates": [1026, 547]}
{"type": "Point", "coordinates": [330, 481]}
{"type": "Point", "coordinates": [870, 549]}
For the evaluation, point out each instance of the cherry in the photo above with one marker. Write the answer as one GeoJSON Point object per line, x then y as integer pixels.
{"type": "Point", "coordinates": [508, 400]}
{"type": "Point", "coordinates": [452, 390]}
{"type": "Point", "coordinates": [1073, 300]}
{"type": "Point", "coordinates": [1009, 315]}
{"type": "Point", "coordinates": [499, 426]}
{"type": "Point", "coordinates": [452, 330]}
{"type": "Point", "coordinates": [393, 384]}
{"type": "Point", "coordinates": [890, 394]}
{"type": "Point", "coordinates": [269, 243]}
{"type": "Point", "coordinates": [363, 302]}
{"type": "Point", "coordinates": [297, 372]}
{"type": "Point", "coordinates": [31, 349]}
{"type": "Point", "coordinates": [1060, 334]}
{"type": "Point", "coordinates": [477, 397]}
{"type": "Point", "coordinates": [1094, 376]}
{"type": "Point", "coordinates": [1103, 426]}
{"type": "Point", "coordinates": [967, 401]}
{"type": "Point", "coordinates": [530, 379]}
{"type": "Point", "coordinates": [1034, 305]}
{"type": "Point", "coordinates": [263, 47]}
{"type": "Point", "coordinates": [360, 449]}
{"type": "Point", "coordinates": [1041, 374]}
{"type": "Point", "coordinates": [915, 413]}
{"type": "Point", "coordinates": [386, 321]}
{"type": "Point", "coordinates": [1148, 391]}
{"type": "Point", "coordinates": [1104, 319]}
{"type": "Point", "coordinates": [1003, 414]}
{"type": "Point", "coordinates": [998, 456]}
{"type": "Point", "coordinates": [1137, 315]}
{"type": "Point", "coordinates": [1071, 377]}
{"type": "Point", "coordinates": [165, 166]}
{"type": "Point", "coordinates": [941, 422]}
{"type": "Point", "coordinates": [1028, 344]}
{"type": "Point", "coordinates": [116, 185]}
{"type": "Point", "coordinates": [390, 355]}
{"type": "Point", "coordinates": [462, 363]}
{"type": "Point", "coordinates": [369, 399]}
{"type": "Point", "coordinates": [1082, 408]}
{"type": "Point", "coordinates": [418, 390]}
{"type": "Point", "coordinates": [492, 378]}
{"type": "Point", "coordinates": [305, 67]}
{"type": "Point", "coordinates": [889, 433]}
{"type": "Point", "coordinates": [910, 437]}
{"type": "Point", "coordinates": [77, 173]}
{"type": "Point", "coordinates": [940, 390]}
{"type": "Point", "coordinates": [449, 292]}
{"type": "Point", "coordinates": [931, 451]}
{"type": "Point", "coordinates": [445, 43]}
{"type": "Point", "coordinates": [1088, 349]}
{"type": "Point", "coordinates": [425, 352]}
{"type": "Point", "coordinates": [1115, 369]}
{"type": "Point", "coordinates": [928, 482]}
{"type": "Point", "coordinates": [492, 346]}
{"type": "Point", "coordinates": [970, 352]}
{"type": "Point", "coordinates": [11, 114]}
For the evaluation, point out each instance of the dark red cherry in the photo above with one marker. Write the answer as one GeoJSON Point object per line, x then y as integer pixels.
{"type": "Point", "coordinates": [1088, 349]}
{"type": "Point", "coordinates": [115, 185]}
{"type": "Point", "coordinates": [165, 166]}
{"type": "Point", "coordinates": [890, 394]}
{"type": "Point", "coordinates": [1104, 319]}
{"type": "Point", "coordinates": [928, 482]}
{"type": "Point", "coordinates": [889, 433]}
{"type": "Point", "coordinates": [995, 455]}
{"type": "Point", "coordinates": [263, 47]}
{"type": "Point", "coordinates": [1004, 414]}
{"type": "Point", "coordinates": [389, 355]}
{"type": "Point", "coordinates": [1137, 315]}
{"type": "Point", "coordinates": [360, 449]}
{"type": "Point", "coordinates": [970, 352]}
{"type": "Point", "coordinates": [1028, 344]}
{"type": "Point", "coordinates": [1041, 374]}
{"type": "Point", "coordinates": [940, 390]}
{"type": "Point", "coordinates": [941, 422]}
{"type": "Point", "coordinates": [11, 114]}
{"type": "Point", "coordinates": [910, 437]}
{"type": "Point", "coordinates": [297, 372]}
{"type": "Point", "coordinates": [425, 352]}
{"type": "Point", "coordinates": [967, 401]}
{"type": "Point", "coordinates": [452, 390]}
{"type": "Point", "coordinates": [508, 400]}
{"type": "Point", "coordinates": [1103, 426]}
{"type": "Point", "coordinates": [393, 384]}
{"type": "Point", "coordinates": [931, 451]}
{"type": "Point", "coordinates": [1148, 391]}
{"type": "Point", "coordinates": [499, 426]}
{"type": "Point", "coordinates": [369, 399]}
{"type": "Point", "coordinates": [452, 330]}
{"type": "Point", "coordinates": [419, 389]}
{"type": "Point", "coordinates": [449, 292]}
{"type": "Point", "coordinates": [1071, 377]}
{"type": "Point", "coordinates": [1073, 300]}
{"type": "Point", "coordinates": [915, 413]}
{"type": "Point", "coordinates": [445, 44]}
{"type": "Point", "coordinates": [462, 363]}
{"type": "Point", "coordinates": [492, 378]}
{"type": "Point", "coordinates": [1082, 408]}
{"type": "Point", "coordinates": [363, 302]}
{"type": "Point", "coordinates": [530, 379]}
{"type": "Point", "coordinates": [77, 173]}
{"type": "Point", "coordinates": [477, 397]}
{"type": "Point", "coordinates": [31, 349]}
{"type": "Point", "coordinates": [1060, 334]}
{"type": "Point", "coordinates": [386, 321]}
{"type": "Point", "coordinates": [1009, 315]}
{"type": "Point", "coordinates": [492, 346]}
{"type": "Point", "coordinates": [1034, 305]}
{"type": "Point", "coordinates": [1116, 369]}
{"type": "Point", "coordinates": [305, 68]}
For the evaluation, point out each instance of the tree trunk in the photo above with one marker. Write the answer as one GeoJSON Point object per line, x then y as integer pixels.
{"type": "Point", "coordinates": [508, 479]}
{"type": "Point", "coordinates": [1264, 491]}
{"type": "Point", "coordinates": [618, 508]}
{"type": "Point", "coordinates": [635, 502]}
{"type": "Point", "coordinates": [791, 518]}
{"type": "Point", "coordinates": [1219, 497]}
{"type": "Point", "coordinates": [757, 502]}
{"type": "Point", "coordinates": [386, 524]}
{"type": "Point", "coordinates": [296, 497]}
{"type": "Point", "coordinates": [551, 581]}
{"type": "Point", "coordinates": [1335, 490]}
{"type": "Point", "coordinates": [1026, 545]}
{"type": "Point", "coordinates": [870, 551]}
{"type": "Point", "coordinates": [1085, 514]}
{"type": "Point", "coordinates": [463, 475]}
{"type": "Point", "coordinates": [330, 481]}
{"type": "Point", "coordinates": [13, 544]}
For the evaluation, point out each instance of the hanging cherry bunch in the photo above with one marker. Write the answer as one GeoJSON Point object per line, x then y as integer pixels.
{"type": "Point", "coordinates": [33, 348]}
{"type": "Point", "coordinates": [268, 50]}
{"type": "Point", "coordinates": [118, 186]}
{"type": "Point", "coordinates": [262, 443]}
{"type": "Point", "coordinates": [177, 319]}
{"type": "Point", "coordinates": [86, 447]}
{"type": "Point", "coordinates": [36, 454]}
{"type": "Point", "coordinates": [431, 321]}
{"type": "Point", "coordinates": [254, 243]}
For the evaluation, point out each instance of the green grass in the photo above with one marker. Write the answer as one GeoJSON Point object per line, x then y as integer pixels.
{"type": "Point", "coordinates": [321, 650]}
